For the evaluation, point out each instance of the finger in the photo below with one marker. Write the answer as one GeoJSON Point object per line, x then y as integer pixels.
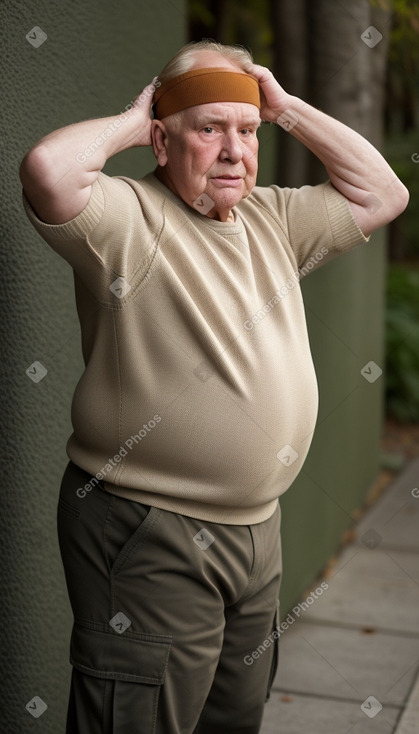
{"type": "Point", "coordinates": [262, 73]}
{"type": "Point", "coordinates": [145, 97]}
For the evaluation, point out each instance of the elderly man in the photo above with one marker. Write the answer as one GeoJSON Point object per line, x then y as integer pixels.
{"type": "Point", "coordinates": [198, 400]}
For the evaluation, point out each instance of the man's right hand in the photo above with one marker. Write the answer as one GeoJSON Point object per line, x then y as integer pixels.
{"type": "Point", "coordinates": [143, 106]}
{"type": "Point", "coordinates": [58, 172]}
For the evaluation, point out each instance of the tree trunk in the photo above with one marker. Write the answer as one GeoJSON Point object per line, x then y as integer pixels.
{"type": "Point", "coordinates": [289, 66]}
{"type": "Point", "coordinates": [319, 56]}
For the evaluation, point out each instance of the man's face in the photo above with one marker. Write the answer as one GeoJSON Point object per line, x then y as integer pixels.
{"type": "Point", "coordinates": [213, 152]}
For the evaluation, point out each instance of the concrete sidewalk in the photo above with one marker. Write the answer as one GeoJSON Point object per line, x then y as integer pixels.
{"type": "Point", "coordinates": [350, 662]}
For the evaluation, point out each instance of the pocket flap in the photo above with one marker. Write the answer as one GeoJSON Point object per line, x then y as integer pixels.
{"type": "Point", "coordinates": [132, 656]}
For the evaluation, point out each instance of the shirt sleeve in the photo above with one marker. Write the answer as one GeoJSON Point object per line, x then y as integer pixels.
{"type": "Point", "coordinates": [112, 237]}
{"type": "Point", "coordinates": [317, 222]}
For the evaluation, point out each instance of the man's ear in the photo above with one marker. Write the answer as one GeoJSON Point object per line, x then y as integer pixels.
{"type": "Point", "coordinates": [159, 141]}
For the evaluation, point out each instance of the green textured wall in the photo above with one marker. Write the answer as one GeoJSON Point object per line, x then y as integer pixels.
{"type": "Point", "coordinates": [344, 305]}
{"type": "Point", "coordinates": [96, 58]}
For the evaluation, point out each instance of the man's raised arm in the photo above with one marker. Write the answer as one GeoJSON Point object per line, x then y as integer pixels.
{"type": "Point", "coordinates": [58, 172]}
{"type": "Point", "coordinates": [374, 193]}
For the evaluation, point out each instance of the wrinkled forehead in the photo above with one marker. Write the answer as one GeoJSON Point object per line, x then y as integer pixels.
{"type": "Point", "coordinates": [200, 87]}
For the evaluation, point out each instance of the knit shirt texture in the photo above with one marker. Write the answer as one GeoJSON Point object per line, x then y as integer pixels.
{"type": "Point", "coordinates": [199, 394]}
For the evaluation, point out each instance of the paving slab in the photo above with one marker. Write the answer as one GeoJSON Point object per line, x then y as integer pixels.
{"type": "Point", "coordinates": [329, 661]}
{"type": "Point", "coordinates": [372, 587]}
{"type": "Point", "coordinates": [394, 519]}
{"type": "Point", "coordinates": [296, 714]}
{"type": "Point", "coordinates": [409, 721]}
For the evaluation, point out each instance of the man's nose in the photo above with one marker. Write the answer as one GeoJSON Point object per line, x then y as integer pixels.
{"type": "Point", "coordinates": [231, 148]}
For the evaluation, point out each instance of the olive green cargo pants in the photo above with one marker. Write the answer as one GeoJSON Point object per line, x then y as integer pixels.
{"type": "Point", "coordinates": [175, 619]}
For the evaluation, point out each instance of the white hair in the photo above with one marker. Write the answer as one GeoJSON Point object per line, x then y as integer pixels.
{"type": "Point", "coordinates": [186, 57]}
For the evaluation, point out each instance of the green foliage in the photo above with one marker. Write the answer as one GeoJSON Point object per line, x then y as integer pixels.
{"type": "Point", "coordinates": [402, 88]}
{"type": "Point", "coordinates": [404, 49]}
{"type": "Point", "coordinates": [402, 343]}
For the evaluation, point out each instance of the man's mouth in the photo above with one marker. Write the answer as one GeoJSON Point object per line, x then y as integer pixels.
{"type": "Point", "coordinates": [228, 180]}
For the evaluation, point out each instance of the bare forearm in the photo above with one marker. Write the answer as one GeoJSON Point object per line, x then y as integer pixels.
{"type": "Point", "coordinates": [355, 167]}
{"type": "Point", "coordinates": [58, 172]}
{"type": "Point", "coordinates": [86, 146]}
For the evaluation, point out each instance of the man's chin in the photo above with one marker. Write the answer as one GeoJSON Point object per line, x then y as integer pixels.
{"type": "Point", "coordinates": [227, 198]}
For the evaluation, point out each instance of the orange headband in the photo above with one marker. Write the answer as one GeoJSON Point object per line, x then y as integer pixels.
{"type": "Point", "coordinates": [201, 86]}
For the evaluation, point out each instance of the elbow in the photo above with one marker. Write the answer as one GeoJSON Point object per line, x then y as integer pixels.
{"type": "Point", "coordinates": [405, 196]}
{"type": "Point", "coordinates": [399, 199]}
{"type": "Point", "coordinates": [392, 201]}
{"type": "Point", "coordinates": [34, 168]}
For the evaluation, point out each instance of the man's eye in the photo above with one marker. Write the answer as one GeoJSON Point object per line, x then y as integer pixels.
{"type": "Point", "coordinates": [208, 129]}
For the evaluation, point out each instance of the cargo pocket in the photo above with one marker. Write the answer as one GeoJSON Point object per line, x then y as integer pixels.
{"type": "Point", "coordinates": [275, 656]}
{"type": "Point", "coordinates": [122, 676]}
